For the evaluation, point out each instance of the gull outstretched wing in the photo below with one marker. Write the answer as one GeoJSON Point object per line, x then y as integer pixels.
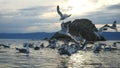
{"type": "Point", "coordinates": [58, 10]}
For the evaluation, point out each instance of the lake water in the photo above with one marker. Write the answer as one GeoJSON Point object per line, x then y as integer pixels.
{"type": "Point", "coordinates": [49, 58]}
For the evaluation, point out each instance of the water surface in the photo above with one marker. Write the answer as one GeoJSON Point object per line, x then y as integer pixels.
{"type": "Point", "coordinates": [49, 58]}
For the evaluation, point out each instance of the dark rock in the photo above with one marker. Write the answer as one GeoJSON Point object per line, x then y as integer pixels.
{"type": "Point", "coordinates": [60, 36]}
{"type": "Point", "coordinates": [83, 27]}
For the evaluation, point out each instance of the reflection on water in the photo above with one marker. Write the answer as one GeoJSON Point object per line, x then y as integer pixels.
{"type": "Point", "coordinates": [38, 59]}
{"type": "Point", "coordinates": [49, 58]}
{"type": "Point", "coordinates": [89, 59]}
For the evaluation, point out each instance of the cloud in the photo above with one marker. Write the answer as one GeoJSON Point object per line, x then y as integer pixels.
{"type": "Point", "coordinates": [104, 15]}
{"type": "Point", "coordinates": [20, 4]}
{"type": "Point", "coordinates": [9, 29]}
{"type": "Point", "coordinates": [33, 14]}
{"type": "Point", "coordinates": [114, 7]}
{"type": "Point", "coordinates": [49, 15]}
{"type": "Point", "coordinates": [27, 16]}
{"type": "Point", "coordinates": [43, 8]}
{"type": "Point", "coordinates": [44, 27]}
{"type": "Point", "coordinates": [38, 16]}
{"type": "Point", "coordinates": [35, 11]}
{"type": "Point", "coordinates": [32, 28]}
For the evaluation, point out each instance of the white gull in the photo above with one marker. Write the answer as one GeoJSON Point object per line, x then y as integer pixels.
{"type": "Point", "coordinates": [62, 16]}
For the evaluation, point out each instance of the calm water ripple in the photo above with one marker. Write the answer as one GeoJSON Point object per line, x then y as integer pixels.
{"type": "Point", "coordinates": [49, 58]}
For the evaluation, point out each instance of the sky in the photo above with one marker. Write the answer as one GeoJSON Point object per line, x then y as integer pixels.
{"type": "Point", "coordinates": [25, 16]}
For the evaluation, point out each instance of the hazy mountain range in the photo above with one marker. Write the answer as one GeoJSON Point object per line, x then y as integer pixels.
{"type": "Point", "coordinates": [43, 35]}
{"type": "Point", "coordinates": [36, 35]}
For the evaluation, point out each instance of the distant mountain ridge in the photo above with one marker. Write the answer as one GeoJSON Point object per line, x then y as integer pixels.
{"type": "Point", "coordinates": [36, 35]}
{"type": "Point", "coordinates": [43, 35]}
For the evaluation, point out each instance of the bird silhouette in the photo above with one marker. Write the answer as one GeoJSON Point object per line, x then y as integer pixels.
{"type": "Point", "coordinates": [114, 26]}
{"type": "Point", "coordinates": [62, 16]}
{"type": "Point", "coordinates": [101, 30]}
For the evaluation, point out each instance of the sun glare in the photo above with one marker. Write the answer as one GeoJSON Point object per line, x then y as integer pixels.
{"type": "Point", "coordinates": [80, 6]}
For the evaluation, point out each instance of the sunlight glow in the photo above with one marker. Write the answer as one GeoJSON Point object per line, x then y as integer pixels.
{"type": "Point", "coordinates": [80, 6]}
{"type": "Point", "coordinates": [48, 15]}
{"type": "Point", "coordinates": [32, 28]}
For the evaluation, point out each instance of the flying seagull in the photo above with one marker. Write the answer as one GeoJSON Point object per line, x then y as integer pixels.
{"type": "Point", "coordinates": [65, 31]}
{"type": "Point", "coordinates": [62, 16]}
{"type": "Point", "coordinates": [101, 30]}
{"type": "Point", "coordinates": [114, 26]}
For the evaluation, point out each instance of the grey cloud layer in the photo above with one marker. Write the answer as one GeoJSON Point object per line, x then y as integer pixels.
{"type": "Point", "coordinates": [114, 7]}
{"type": "Point", "coordinates": [105, 15]}
{"type": "Point", "coordinates": [21, 19]}
{"type": "Point", "coordinates": [24, 18]}
{"type": "Point", "coordinates": [34, 11]}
